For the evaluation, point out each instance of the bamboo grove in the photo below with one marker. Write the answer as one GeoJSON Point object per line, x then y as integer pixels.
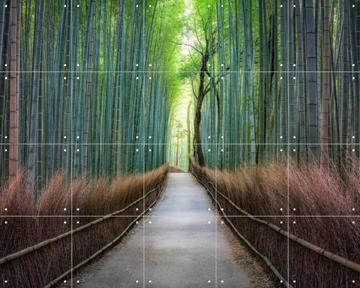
{"type": "Point", "coordinates": [81, 74]}
{"type": "Point", "coordinates": [275, 78]}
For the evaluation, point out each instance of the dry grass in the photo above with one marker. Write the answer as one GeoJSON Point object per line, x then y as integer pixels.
{"type": "Point", "coordinates": [49, 216]}
{"type": "Point", "coordinates": [321, 204]}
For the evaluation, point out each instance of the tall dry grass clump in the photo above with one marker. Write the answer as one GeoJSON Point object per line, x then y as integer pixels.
{"type": "Point", "coordinates": [65, 206]}
{"type": "Point", "coordinates": [310, 202]}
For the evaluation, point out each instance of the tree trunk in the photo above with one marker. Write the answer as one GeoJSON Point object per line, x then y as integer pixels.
{"type": "Point", "coordinates": [198, 152]}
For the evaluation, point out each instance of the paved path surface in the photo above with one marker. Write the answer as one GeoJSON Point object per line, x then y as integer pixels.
{"type": "Point", "coordinates": [181, 243]}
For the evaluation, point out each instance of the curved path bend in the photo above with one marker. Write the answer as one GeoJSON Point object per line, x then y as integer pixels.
{"type": "Point", "coordinates": [180, 244]}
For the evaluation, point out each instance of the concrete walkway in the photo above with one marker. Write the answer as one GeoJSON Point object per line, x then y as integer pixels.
{"type": "Point", "coordinates": [181, 243]}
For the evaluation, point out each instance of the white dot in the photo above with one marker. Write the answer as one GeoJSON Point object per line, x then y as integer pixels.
{"type": "Point", "coordinates": [5, 222]}
{"type": "Point", "coordinates": [6, 78]}
{"type": "Point", "coordinates": [294, 7]}
{"type": "Point", "coordinates": [137, 209]}
{"type": "Point", "coordinates": [294, 281]}
{"type": "Point", "coordinates": [222, 65]}
{"type": "Point", "coordinates": [65, 209]}
{"type": "Point", "coordinates": [64, 78]}
{"type": "Point", "coordinates": [6, 150]}
{"type": "Point", "coordinates": [209, 222]}
{"type": "Point", "coordinates": [149, 209]}
{"type": "Point", "coordinates": [281, 281]}
{"type": "Point", "coordinates": [294, 137]}
{"type": "Point", "coordinates": [353, 137]}
{"type": "Point", "coordinates": [222, 77]}
{"type": "Point", "coordinates": [222, 281]}
{"type": "Point", "coordinates": [281, 78]}
{"type": "Point", "coordinates": [294, 150]}
{"type": "Point", "coordinates": [78, 281]}
{"type": "Point", "coordinates": [149, 6]}
{"type": "Point", "coordinates": [5, 137]}
{"type": "Point", "coordinates": [281, 209]}
{"type": "Point", "coordinates": [281, 6]}
{"type": "Point", "coordinates": [150, 150]}
{"type": "Point", "coordinates": [5, 65]}
{"type": "Point", "coordinates": [150, 281]}
{"type": "Point", "coordinates": [64, 65]}
{"type": "Point", "coordinates": [353, 150]}
{"type": "Point", "coordinates": [77, 78]}
{"type": "Point", "coordinates": [137, 222]}
{"type": "Point", "coordinates": [222, 137]}
{"type": "Point", "coordinates": [294, 209]}
{"type": "Point", "coordinates": [137, 150]}
{"type": "Point", "coordinates": [5, 281]}
{"type": "Point", "coordinates": [150, 65]}
{"type": "Point", "coordinates": [222, 150]}
{"type": "Point", "coordinates": [65, 281]}
{"type": "Point", "coordinates": [77, 150]}
{"type": "Point", "coordinates": [281, 222]}
{"type": "Point", "coordinates": [222, 209]}
{"type": "Point", "coordinates": [7, 209]}
{"type": "Point", "coordinates": [294, 222]}
{"type": "Point", "coordinates": [353, 209]}
{"type": "Point", "coordinates": [209, 209]}
{"type": "Point", "coordinates": [222, 222]}
{"type": "Point", "coordinates": [77, 5]}
{"type": "Point", "coordinates": [65, 5]}
{"type": "Point", "coordinates": [353, 78]}
{"type": "Point", "coordinates": [137, 5]}
{"type": "Point", "coordinates": [78, 65]}
{"type": "Point", "coordinates": [150, 222]}
{"type": "Point", "coordinates": [294, 78]}
{"type": "Point", "coordinates": [137, 137]}
{"type": "Point", "coordinates": [209, 137]}
{"type": "Point", "coordinates": [281, 150]}
{"type": "Point", "coordinates": [137, 65]}
{"type": "Point", "coordinates": [77, 222]}
{"type": "Point", "coordinates": [64, 222]}
{"type": "Point", "coordinates": [209, 281]}
{"type": "Point", "coordinates": [353, 222]}
{"type": "Point", "coordinates": [353, 5]}
{"type": "Point", "coordinates": [209, 5]}
{"type": "Point", "coordinates": [353, 65]}
{"type": "Point", "coordinates": [64, 150]}
{"type": "Point", "coordinates": [281, 137]}
{"type": "Point", "coordinates": [77, 209]}
{"type": "Point", "coordinates": [137, 281]}
{"type": "Point", "coordinates": [353, 281]}
{"type": "Point", "coordinates": [294, 63]}
{"type": "Point", "coordinates": [149, 78]}
{"type": "Point", "coordinates": [150, 137]}
{"type": "Point", "coordinates": [77, 137]}
{"type": "Point", "coordinates": [222, 5]}
{"type": "Point", "coordinates": [64, 137]}
{"type": "Point", "coordinates": [281, 65]}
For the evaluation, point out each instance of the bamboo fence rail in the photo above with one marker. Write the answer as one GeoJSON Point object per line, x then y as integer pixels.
{"type": "Point", "coordinates": [5, 260]}
{"type": "Point", "coordinates": [211, 189]}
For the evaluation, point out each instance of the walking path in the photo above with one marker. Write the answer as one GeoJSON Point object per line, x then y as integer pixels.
{"type": "Point", "coordinates": [181, 243]}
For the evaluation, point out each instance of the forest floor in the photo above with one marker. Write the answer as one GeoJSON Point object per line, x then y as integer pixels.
{"type": "Point", "coordinates": [181, 243]}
